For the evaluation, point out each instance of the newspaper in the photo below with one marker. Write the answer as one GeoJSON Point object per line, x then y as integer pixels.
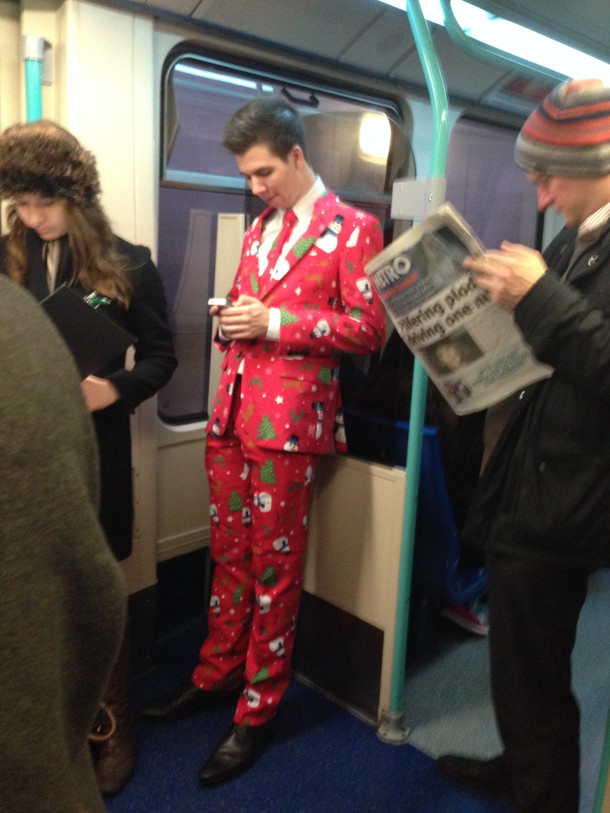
{"type": "Point", "coordinates": [470, 347]}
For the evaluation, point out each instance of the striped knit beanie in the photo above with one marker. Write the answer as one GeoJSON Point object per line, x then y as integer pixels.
{"type": "Point", "coordinates": [569, 132]}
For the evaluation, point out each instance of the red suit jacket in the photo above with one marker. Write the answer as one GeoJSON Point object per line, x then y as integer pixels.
{"type": "Point", "coordinates": [290, 388]}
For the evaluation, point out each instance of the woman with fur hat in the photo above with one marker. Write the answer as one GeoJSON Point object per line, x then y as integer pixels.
{"type": "Point", "coordinates": [59, 233]}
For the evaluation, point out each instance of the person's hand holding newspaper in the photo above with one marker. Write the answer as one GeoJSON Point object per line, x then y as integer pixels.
{"type": "Point", "coordinates": [507, 273]}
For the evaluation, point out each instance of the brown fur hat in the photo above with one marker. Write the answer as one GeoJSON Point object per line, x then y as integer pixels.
{"type": "Point", "coordinates": [43, 157]}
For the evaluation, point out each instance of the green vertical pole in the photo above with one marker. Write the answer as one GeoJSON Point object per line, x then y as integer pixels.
{"type": "Point", "coordinates": [33, 84]}
{"type": "Point", "coordinates": [392, 729]}
{"type": "Point", "coordinates": [604, 771]}
{"type": "Point", "coordinates": [33, 48]}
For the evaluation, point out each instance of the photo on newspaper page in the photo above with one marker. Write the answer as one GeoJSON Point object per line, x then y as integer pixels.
{"type": "Point", "coordinates": [470, 347]}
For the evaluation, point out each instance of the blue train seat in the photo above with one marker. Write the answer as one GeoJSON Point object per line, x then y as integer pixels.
{"type": "Point", "coordinates": [438, 575]}
{"type": "Point", "coordinates": [437, 565]}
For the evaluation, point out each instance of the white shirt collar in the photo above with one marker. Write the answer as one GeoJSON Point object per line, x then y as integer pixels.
{"type": "Point", "coordinates": [304, 206]}
{"type": "Point", "coordinates": [594, 222]}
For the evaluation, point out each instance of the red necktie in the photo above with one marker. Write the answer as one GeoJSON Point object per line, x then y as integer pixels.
{"type": "Point", "coordinates": [278, 245]}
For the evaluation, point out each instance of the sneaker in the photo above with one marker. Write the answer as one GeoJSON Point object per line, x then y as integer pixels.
{"type": "Point", "coordinates": [469, 618]}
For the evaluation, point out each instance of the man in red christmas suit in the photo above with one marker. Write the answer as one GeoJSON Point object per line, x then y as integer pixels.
{"type": "Point", "coordinates": [300, 300]}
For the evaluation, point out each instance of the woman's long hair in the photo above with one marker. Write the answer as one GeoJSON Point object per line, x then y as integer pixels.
{"type": "Point", "coordinates": [97, 263]}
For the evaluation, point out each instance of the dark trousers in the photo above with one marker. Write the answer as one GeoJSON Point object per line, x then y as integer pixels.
{"type": "Point", "coordinates": [533, 615]}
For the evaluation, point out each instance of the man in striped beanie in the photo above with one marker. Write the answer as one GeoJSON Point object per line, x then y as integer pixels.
{"type": "Point", "coordinates": [569, 134]}
{"type": "Point", "coordinates": [542, 508]}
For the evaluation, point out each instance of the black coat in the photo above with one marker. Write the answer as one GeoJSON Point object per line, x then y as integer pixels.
{"type": "Point", "coordinates": [146, 319]}
{"type": "Point", "coordinates": [545, 493]}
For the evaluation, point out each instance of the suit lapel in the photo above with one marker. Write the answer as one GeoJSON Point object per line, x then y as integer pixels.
{"type": "Point", "coordinates": [250, 280]}
{"type": "Point", "coordinates": [589, 257]}
{"type": "Point", "coordinates": [325, 212]}
{"type": "Point", "coordinates": [37, 270]}
{"type": "Point", "coordinates": [37, 277]}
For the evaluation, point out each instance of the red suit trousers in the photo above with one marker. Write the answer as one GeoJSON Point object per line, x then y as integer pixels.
{"type": "Point", "coordinates": [258, 503]}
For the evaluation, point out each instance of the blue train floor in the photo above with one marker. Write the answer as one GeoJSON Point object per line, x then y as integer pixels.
{"type": "Point", "coordinates": [322, 760]}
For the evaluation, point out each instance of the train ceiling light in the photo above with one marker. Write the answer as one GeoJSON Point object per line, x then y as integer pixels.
{"type": "Point", "coordinates": [514, 39]}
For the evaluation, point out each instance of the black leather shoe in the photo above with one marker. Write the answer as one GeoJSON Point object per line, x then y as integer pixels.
{"type": "Point", "coordinates": [236, 753]}
{"type": "Point", "coordinates": [188, 701]}
{"type": "Point", "coordinates": [477, 775]}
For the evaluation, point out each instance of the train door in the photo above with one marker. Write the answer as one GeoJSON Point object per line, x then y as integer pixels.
{"type": "Point", "coordinates": [356, 143]}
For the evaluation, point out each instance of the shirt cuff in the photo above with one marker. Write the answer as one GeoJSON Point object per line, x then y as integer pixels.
{"type": "Point", "coordinates": [275, 321]}
{"type": "Point", "coordinates": [220, 337]}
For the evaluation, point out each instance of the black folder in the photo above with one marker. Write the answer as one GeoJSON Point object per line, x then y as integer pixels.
{"type": "Point", "coordinates": [93, 337]}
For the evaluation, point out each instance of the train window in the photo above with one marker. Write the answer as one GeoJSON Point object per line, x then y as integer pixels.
{"type": "Point", "coordinates": [485, 184]}
{"type": "Point", "coordinates": [356, 143]}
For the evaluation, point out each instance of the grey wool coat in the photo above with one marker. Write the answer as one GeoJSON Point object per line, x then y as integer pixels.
{"type": "Point", "coordinates": [62, 593]}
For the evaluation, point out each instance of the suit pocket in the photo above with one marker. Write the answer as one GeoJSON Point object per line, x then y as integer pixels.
{"type": "Point", "coordinates": [306, 370]}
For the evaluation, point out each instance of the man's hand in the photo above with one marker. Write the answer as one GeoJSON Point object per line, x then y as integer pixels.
{"type": "Point", "coordinates": [247, 318]}
{"type": "Point", "coordinates": [507, 273]}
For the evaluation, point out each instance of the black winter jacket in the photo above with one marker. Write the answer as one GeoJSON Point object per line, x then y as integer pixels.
{"type": "Point", "coordinates": [545, 493]}
{"type": "Point", "coordinates": [146, 319]}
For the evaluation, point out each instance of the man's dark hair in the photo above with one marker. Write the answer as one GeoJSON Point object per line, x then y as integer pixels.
{"type": "Point", "coordinates": [271, 121]}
